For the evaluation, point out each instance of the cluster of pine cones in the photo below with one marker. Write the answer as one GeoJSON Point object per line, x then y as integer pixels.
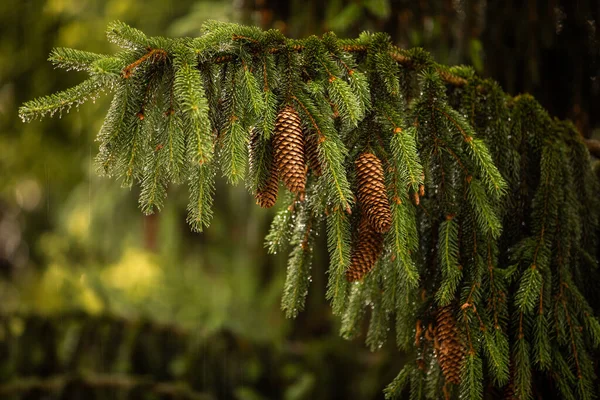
{"type": "Point", "coordinates": [291, 149]}
{"type": "Point", "coordinates": [293, 152]}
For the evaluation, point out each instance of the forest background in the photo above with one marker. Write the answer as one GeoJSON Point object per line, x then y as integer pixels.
{"type": "Point", "coordinates": [83, 271]}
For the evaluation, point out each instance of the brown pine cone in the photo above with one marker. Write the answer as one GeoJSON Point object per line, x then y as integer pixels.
{"type": "Point", "coordinates": [448, 346]}
{"type": "Point", "coordinates": [311, 147]}
{"type": "Point", "coordinates": [366, 251]}
{"type": "Point", "coordinates": [372, 194]}
{"type": "Point", "coordinates": [266, 193]}
{"type": "Point", "coordinates": [509, 391]}
{"type": "Point", "coordinates": [288, 143]}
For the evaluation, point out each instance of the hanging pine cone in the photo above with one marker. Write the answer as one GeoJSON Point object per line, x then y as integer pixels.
{"type": "Point", "coordinates": [288, 143]}
{"type": "Point", "coordinates": [367, 249]}
{"type": "Point", "coordinates": [449, 349]}
{"type": "Point", "coordinates": [372, 193]}
{"type": "Point", "coordinates": [266, 196]}
{"type": "Point", "coordinates": [312, 153]}
{"type": "Point", "coordinates": [509, 391]}
{"type": "Point", "coordinates": [266, 193]}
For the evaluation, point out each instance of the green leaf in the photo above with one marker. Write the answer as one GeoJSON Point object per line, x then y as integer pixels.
{"type": "Point", "coordinates": [62, 101]}
{"type": "Point", "coordinates": [406, 158]}
{"type": "Point", "coordinates": [72, 59]}
{"type": "Point", "coordinates": [402, 240]}
{"type": "Point", "coordinates": [281, 227]}
{"type": "Point", "coordinates": [202, 187]}
{"type": "Point", "coordinates": [253, 93]}
{"type": "Point", "coordinates": [189, 91]}
{"type": "Point", "coordinates": [348, 105]}
{"type": "Point", "coordinates": [448, 259]}
{"type": "Point", "coordinates": [471, 386]}
{"type": "Point", "coordinates": [360, 87]}
{"type": "Point", "coordinates": [126, 36]}
{"type": "Point", "coordinates": [522, 369]}
{"type": "Point", "coordinates": [297, 277]}
{"type": "Point", "coordinates": [486, 215]}
{"type": "Point", "coordinates": [529, 289]}
{"type": "Point", "coordinates": [541, 344]}
{"type": "Point", "coordinates": [338, 243]}
{"type": "Point", "coordinates": [395, 389]}
{"type": "Point", "coordinates": [497, 352]}
{"type": "Point", "coordinates": [355, 310]}
{"type": "Point", "coordinates": [388, 72]}
{"type": "Point", "coordinates": [235, 152]}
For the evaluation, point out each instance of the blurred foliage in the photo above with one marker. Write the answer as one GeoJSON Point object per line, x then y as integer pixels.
{"type": "Point", "coordinates": [77, 356]}
{"type": "Point", "coordinates": [80, 263]}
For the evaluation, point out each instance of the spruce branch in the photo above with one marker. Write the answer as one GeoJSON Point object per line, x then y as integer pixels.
{"type": "Point", "coordinates": [63, 101]}
{"type": "Point", "coordinates": [477, 198]}
{"type": "Point", "coordinates": [298, 271]}
{"type": "Point", "coordinates": [72, 59]}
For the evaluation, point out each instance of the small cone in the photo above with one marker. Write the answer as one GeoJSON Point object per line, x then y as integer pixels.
{"type": "Point", "coordinates": [449, 349]}
{"type": "Point", "coordinates": [288, 143]}
{"type": "Point", "coordinates": [366, 251]}
{"type": "Point", "coordinates": [312, 154]}
{"type": "Point", "coordinates": [266, 194]}
{"type": "Point", "coordinates": [510, 392]}
{"type": "Point", "coordinates": [372, 193]}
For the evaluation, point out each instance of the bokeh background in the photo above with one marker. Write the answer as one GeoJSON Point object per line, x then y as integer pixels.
{"type": "Point", "coordinates": [99, 301]}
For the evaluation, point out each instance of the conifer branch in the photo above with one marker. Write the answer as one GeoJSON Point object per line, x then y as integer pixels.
{"type": "Point", "coordinates": [153, 55]}
{"type": "Point", "coordinates": [472, 197]}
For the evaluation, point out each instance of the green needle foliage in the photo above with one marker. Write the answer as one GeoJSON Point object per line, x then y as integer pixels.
{"type": "Point", "coordinates": [494, 204]}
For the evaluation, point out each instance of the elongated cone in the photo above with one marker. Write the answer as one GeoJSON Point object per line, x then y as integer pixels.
{"type": "Point", "coordinates": [366, 251]}
{"type": "Point", "coordinates": [509, 391]}
{"type": "Point", "coordinates": [312, 153]}
{"type": "Point", "coordinates": [449, 349]}
{"type": "Point", "coordinates": [266, 193]}
{"type": "Point", "coordinates": [288, 143]}
{"type": "Point", "coordinates": [372, 194]}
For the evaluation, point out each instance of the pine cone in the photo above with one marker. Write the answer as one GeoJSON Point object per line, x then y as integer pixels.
{"type": "Point", "coordinates": [367, 249]}
{"type": "Point", "coordinates": [372, 193]}
{"type": "Point", "coordinates": [509, 391]}
{"type": "Point", "coordinates": [266, 193]}
{"type": "Point", "coordinates": [288, 143]}
{"type": "Point", "coordinates": [266, 196]}
{"type": "Point", "coordinates": [449, 349]}
{"type": "Point", "coordinates": [311, 147]}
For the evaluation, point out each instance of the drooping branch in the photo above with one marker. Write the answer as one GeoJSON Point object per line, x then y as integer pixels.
{"type": "Point", "coordinates": [464, 192]}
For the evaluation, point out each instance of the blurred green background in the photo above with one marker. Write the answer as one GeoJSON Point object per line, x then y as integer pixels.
{"type": "Point", "coordinates": [99, 301]}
